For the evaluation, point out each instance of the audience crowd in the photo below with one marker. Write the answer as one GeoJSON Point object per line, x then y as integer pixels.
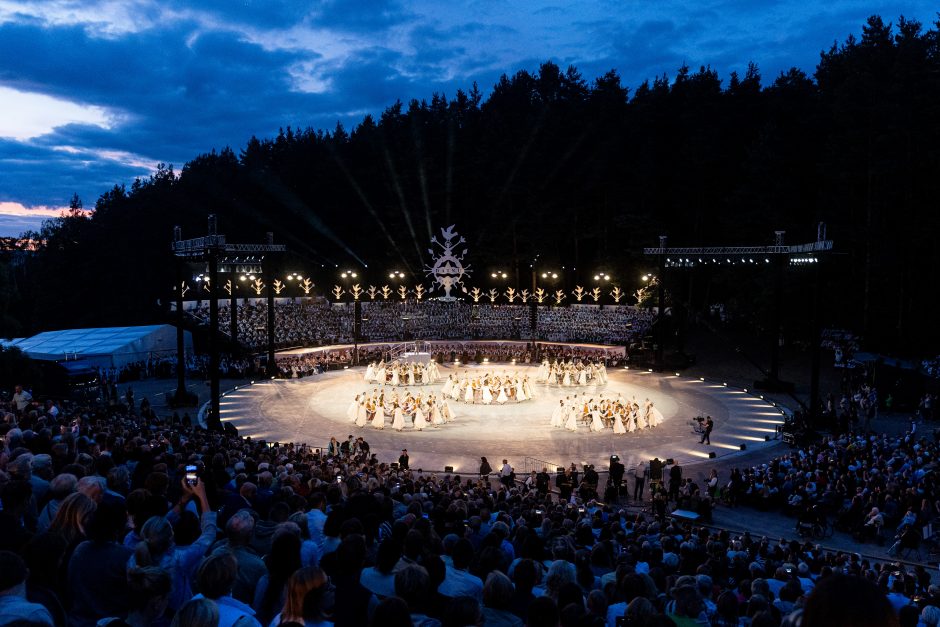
{"type": "Point", "coordinates": [306, 364]}
{"type": "Point", "coordinates": [109, 518]}
{"type": "Point", "coordinates": [311, 323]}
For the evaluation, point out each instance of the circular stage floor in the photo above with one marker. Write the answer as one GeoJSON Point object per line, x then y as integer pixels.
{"type": "Point", "coordinates": [313, 409]}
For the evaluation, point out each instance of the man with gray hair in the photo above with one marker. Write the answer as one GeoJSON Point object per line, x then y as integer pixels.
{"type": "Point", "coordinates": [238, 533]}
{"type": "Point", "coordinates": [59, 488]}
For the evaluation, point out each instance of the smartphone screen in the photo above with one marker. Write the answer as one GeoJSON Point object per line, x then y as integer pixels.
{"type": "Point", "coordinates": [191, 475]}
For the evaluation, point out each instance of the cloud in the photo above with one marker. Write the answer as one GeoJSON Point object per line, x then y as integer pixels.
{"type": "Point", "coordinates": [28, 115]}
{"type": "Point", "coordinates": [16, 218]}
{"type": "Point", "coordinates": [102, 90]}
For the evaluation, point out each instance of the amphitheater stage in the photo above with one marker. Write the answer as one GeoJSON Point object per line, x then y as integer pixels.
{"type": "Point", "coordinates": [312, 409]}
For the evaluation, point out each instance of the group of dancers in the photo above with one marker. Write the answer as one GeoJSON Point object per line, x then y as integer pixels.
{"type": "Point", "coordinates": [418, 412]}
{"type": "Point", "coordinates": [402, 373]}
{"type": "Point", "coordinates": [487, 388]}
{"type": "Point", "coordinates": [622, 415]}
{"type": "Point", "coordinates": [567, 374]}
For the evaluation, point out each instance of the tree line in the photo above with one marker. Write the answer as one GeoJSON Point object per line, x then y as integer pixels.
{"type": "Point", "coordinates": [553, 170]}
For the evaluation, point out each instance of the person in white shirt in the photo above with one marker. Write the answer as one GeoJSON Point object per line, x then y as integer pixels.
{"type": "Point", "coordinates": [505, 474]}
{"type": "Point", "coordinates": [21, 398]}
{"type": "Point", "coordinates": [458, 582]}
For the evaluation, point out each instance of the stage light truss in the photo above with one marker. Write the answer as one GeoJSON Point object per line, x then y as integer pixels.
{"type": "Point", "coordinates": [691, 256]}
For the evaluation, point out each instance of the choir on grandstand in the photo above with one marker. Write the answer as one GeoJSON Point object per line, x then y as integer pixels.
{"type": "Point", "coordinates": [309, 323]}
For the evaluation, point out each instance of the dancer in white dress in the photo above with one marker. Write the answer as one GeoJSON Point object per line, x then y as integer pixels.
{"type": "Point", "coordinates": [656, 416]}
{"type": "Point", "coordinates": [420, 421]}
{"type": "Point", "coordinates": [468, 395]}
{"type": "Point", "coordinates": [566, 380]}
{"type": "Point", "coordinates": [571, 422]}
{"type": "Point", "coordinates": [446, 412]}
{"type": "Point", "coordinates": [362, 415]}
{"type": "Point", "coordinates": [398, 423]}
{"type": "Point", "coordinates": [596, 423]}
{"type": "Point", "coordinates": [394, 376]}
{"type": "Point", "coordinates": [502, 398]}
{"type": "Point", "coordinates": [619, 429]}
{"type": "Point", "coordinates": [370, 372]}
{"type": "Point", "coordinates": [378, 421]}
{"type": "Point", "coordinates": [437, 418]}
{"type": "Point", "coordinates": [353, 409]}
{"type": "Point", "coordinates": [557, 415]}
{"type": "Point", "coordinates": [582, 377]}
{"type": "Point", "coordinates": [448, 386]}
{"type": "Point", "coordinates": [487, 395]}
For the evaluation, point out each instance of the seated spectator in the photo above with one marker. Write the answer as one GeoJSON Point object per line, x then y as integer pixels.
{"type": "Point", "coordinates": [238, 532]}
{"type": "Point", "coordinates": [14, 607]}
{"type": "Point", "coordinates": [215, 579]}
{"type": "Point", "coordinates": [59, 488]}
{"type": "Point", "coordinates": [497, 599]}
{"type": "Point", "coordinates": [97, 571]}
{"type": "Point", "coordinates": [847, 601]}
{"type": "Point", "coordinates": [393, 612]}
{"type": "Point", "coordinates": [380, 579]}
{"type": "Point", "coordinates": [148, 591]}
{"type": "Point", "coordinates": [197, 613]}
{"type": "Point", "coordinates": [458, 582]}
{"type": "Point", "coordinates": [413, 585]}
{"type": "Point", "coordinates": [308, 599]}
{"type": "Point", "coordinates": [271, 591]}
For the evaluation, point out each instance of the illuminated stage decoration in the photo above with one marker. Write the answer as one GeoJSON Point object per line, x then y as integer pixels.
{"type": "Point", "coordinates": [447, 266]}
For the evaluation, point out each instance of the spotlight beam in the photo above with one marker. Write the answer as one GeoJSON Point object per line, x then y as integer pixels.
{"type": "Point", "coordinates": [372, 212]}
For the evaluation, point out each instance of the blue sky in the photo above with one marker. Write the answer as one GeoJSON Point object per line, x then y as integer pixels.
{"type": "Point", "coordinates": [97, 92]}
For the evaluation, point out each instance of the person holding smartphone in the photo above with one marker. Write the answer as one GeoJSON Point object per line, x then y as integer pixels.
{"type": "Point", "coordinates": [157, 546]}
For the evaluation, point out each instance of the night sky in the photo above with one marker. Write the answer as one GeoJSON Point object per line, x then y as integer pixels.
{"type": "Point", "coordinates": [97, 93]}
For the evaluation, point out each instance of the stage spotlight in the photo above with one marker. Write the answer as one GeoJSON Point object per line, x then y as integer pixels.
{"type": "Point", "coordinates": [743, 446]}
{"type": "Point", "coordinates": [725, 384]}
{"type": "Point", "coordinates": [711, 455]}
{"type": "Point", "coordinates": [651, 370]}
{"type": "Point", "coordinates": [677, 374]}
{"type": "Point", "coordinates": [701, 378]}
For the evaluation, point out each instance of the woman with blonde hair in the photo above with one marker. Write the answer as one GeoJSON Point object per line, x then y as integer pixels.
{"type": "Point", "coordinates": [306, 591]}
{"type": "Point", "coordinates": [71, 517]}
{"type": "Point", "coordinates": [158, 548]}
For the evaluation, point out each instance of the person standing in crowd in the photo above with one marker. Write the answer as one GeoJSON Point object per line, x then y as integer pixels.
{"type": "Point", "coordinates": [639, 480]}
{"type": "Point", "coordinates": [506, 474]}
{"type": "Point", "coordinates": [675, 482]}
{"type": "Point", "coordinates": [21, 399]}
{"type": "Point", "coordinates": [485, 468]}
{"type": "Point", "coordinates": [542, 482]}
{"type": "Point", "coordinates": [403, 459]}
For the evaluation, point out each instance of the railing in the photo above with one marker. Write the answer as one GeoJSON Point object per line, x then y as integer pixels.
{"type": "Point", "coordinates": [397, 350]}
{"type": "Point", "coordinates": [531, 463]}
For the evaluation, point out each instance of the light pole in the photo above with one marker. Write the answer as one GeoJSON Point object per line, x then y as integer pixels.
{"type": "Point", "coordinates": [347, 276]}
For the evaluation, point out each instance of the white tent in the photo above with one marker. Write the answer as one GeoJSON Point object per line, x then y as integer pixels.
{"type": "Point", "coordinates": [111, 346]}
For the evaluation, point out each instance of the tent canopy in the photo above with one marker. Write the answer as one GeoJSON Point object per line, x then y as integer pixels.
{"type": "Point", "coordinates": [104, 347]}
